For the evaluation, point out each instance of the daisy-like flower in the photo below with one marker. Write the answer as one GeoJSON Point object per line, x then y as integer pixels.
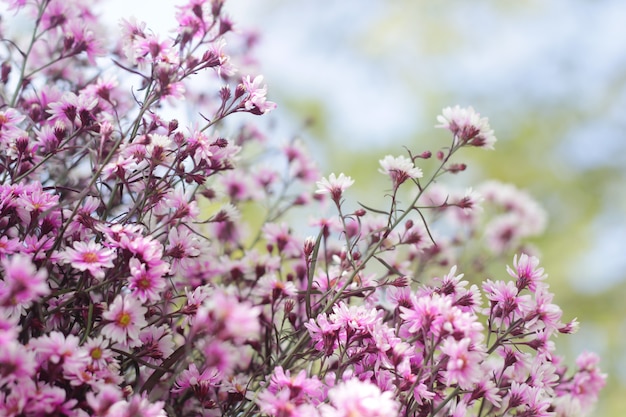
{"type": "Point", "coordinates": [527, 272]}
{"type": "Point", "coordinates": [22, 283]}
{"type": "Point", "coordinates": [125, 317]}
{"type": "Point", "coordinates": [334, 186]}
{"type": "Point", "coordinates": [146, 283]}
{"type": "Point", "coordinates": [360, 398]}
{"type": "Point", "coordinates": [91, 256]}
{"type": "Point", "coordinates": [183, 245]}
{"type": "Point", "coordinates": [467, 127]}
{"type": "Point", "coordinates": [463, 365]}
{"type": "Point", "coordinates": [255, 102]}
{"type": "Point", "coordinates": [399, 169]}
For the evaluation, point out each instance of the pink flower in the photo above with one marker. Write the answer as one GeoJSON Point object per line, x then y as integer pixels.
{"type": "Point", "coordinates": [463, 366]}
{"type": "Point", "coordinates": [57, 349]}
{"type": "Point", "coordinates": [280, 237]}
{"type": "Point", "coordinates": [200, 383]}
{"type": "Point", "coordinates": [302, 388]}
{"type": "Point", "coordinates": [324, 334]}
{"type": "Point", "coordinates": [73, 110]}
{"type": "Point", "coordinates": [227, 318]}
{"type": "Point", "coordinates": [281, 405]}
{"type": "Point", "coordinates": [354, 318]}
{"type": "Point", "coordinates": [526, 271]}
{"type": "Point", "coordinates": [146, 283]}
{"type": "Point", "coordinates": [424, 311]}
{"type": "Point", "coordinates": [22, 283]}
{"type": "Point", "coordinates": [467, 127]}
{"type": "Point", "coordinates": [335, 186]}
{"type": "Point", "coordinates": [588, 380]}
{"type": "Point", "coordinates": [137, 405]}
{"type": "Point", "coordinates": [506, 303]}
{"type": "Point", "coordinates": [10, 120]}
{"type": "Point", "coordinates": [98, 353]}
{"type": "Point", "coordinates": [91, 256]}
{"type": "Point", "coordinates": [125, 318]}
{"type": "Point", "coordinates": [182, 246]}
{"type": "Point", "coordinates": [360, 398]}
{"type": "Point", "coordinates": [256, 102]}
{"type": "Point", "coordinates": [15, 362]}
{"type": "Point", "coordinates": [156, 344]}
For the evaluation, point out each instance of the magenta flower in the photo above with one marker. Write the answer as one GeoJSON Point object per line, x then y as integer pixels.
{"type": "Point", "coordinates": [527, 272]}
{"type": "Point", "coordinates": [91, 256]}
{"type": "Point", "coordinates": [146, 283]}
{"type": "Point", "coordinates": [124, 320]}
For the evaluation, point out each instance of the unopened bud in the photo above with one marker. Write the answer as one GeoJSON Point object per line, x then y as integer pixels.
{"type": "Point", "coordinates": [4, 72]}
{"type": "Point", "coordinates": [309, 246]}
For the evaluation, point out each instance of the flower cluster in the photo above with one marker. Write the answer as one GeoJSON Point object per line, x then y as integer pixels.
{"type": "Point", "coordinates": [149, 268]}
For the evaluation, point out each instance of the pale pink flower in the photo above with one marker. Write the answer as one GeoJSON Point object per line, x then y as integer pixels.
{"type": "Point", "coordinates": [463, 366]}
{"type": "Point", "coordinates": [22, 283]}
{"type": "Point", "coordinates": [15, 362]}
{"type": "Point", "coordinates": [157, 344]}
{"type": "Point", "coordinates": [201, 383]}
{"type": "Point", "coordinates": [360, 398]}
{"type": "Point", "coordinates": [125, 318]}
{"type": "Point", "coordinates": [57, 349]}
{"type": "Point", "coordinates": [280, 404]}
{"type": "Point", "coordinates": [137, 405]}
{"type": "Point", "coordinates": [335, 186]}
{"type": "Point", "coordinates": [281, 237]}
{"type": "Point", "coordinates": [588, 380]}
{"type": "Point", "coordinates": [182, 246]}
{"type": "Point", "coordinates": [91, 256]}
{"type": "Point", "coordinates": [98, 352]}
{"type": "Point", "coordinates": [324, 333]}
{"type": "Point", "coordinates": [467, 127]}
{"type": "Point", "coordinates": [301, 387]}
{"type": "Point", "coordinates": [271, 288]}
{"type": "Point", "coordinates": [355, 318]}
{"type": "Point", "coordinates": [399, 169]}
{"type": "Point", "coordinates": [256, 102]}
{"type": "Point", "coordinates": [227, 318]}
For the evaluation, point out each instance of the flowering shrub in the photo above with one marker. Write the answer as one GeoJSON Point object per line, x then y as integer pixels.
{"type": "Point", "coordinates": [121, 296]}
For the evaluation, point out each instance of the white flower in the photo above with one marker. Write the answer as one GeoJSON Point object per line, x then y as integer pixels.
{"type": "Point", "coordinates": [467, 126]}
{"type": "Point", "coordinates": [334, 185]}
{"type": "Point", "coordinates": [399, 169]}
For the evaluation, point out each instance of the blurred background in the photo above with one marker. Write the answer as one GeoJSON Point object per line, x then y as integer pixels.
{"type": "Point", "coordinates": [367, 78]}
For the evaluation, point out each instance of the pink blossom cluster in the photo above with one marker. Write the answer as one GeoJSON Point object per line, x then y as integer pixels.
{"type": "Point", "coordinates": [154, 269]}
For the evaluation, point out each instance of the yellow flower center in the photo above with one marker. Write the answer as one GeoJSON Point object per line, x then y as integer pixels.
{"type": "Point", "coordinates": [90, 257]}
{"type": "Point", "coordinates": [96, 353]}
{"type": "Point", "coordinates": [123, 319]}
